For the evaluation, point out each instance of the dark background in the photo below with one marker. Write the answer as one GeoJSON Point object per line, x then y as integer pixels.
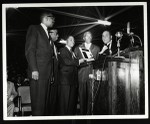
{"type": "Point", "coordinates": [68, 23]}
{"type": "Point", "coordinates": [18, 20]}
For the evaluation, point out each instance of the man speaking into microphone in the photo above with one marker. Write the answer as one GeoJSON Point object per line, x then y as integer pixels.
{"type": "Point", "coordinates": [109, 47]}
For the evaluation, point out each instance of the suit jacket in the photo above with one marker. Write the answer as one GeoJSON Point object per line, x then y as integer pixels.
{"type": "Point", "coordinates": [68, 67]}
{"type": "Point", "coordinates": [113, 49]}
{"type": "Point", "coordinates": [94, 50]}
{"type": "Point", "coordinates": [56, 69]}
{"type": "Point", "coordinates": [86, 68]}
{"type": "Point", "coordinates": [38, 51]}
{"type": "Point", "coordinates": [11, 90]}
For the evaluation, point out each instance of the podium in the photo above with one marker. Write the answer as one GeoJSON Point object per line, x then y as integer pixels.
{"type": "Point", "coordinates": [124, 86]}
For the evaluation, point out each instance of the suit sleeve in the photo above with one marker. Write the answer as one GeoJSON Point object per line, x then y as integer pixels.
{"type": "Point", "coordinates": [30, 48]}
{"type": "Point", "coordinates": [14, 93]}
{"type": "Point", "coordinates": [76, 52]}
{"type": "Point", "coordinates": [97, 52]}
{"type": "Point", "coordinates": [66, 59]}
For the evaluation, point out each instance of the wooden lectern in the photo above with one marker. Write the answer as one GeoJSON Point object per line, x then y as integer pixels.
{"type": "Point", "coordinates": [120, 85]}
{"type": "Point", "coordinates": [126, 84]}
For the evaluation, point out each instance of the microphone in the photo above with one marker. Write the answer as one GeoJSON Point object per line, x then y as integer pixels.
{"type": "Point", "coordinates": [128, 28]}
{"type": "Point", "coordinates": [119, 34]}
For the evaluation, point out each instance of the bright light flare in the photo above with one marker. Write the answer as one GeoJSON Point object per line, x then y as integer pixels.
{"type": "Point", "coordinates": [62, 41]}
{"type": "Point", "coordinates": [103, 22]}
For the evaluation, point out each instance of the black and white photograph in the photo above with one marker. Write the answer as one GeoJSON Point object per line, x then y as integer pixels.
{"type": "Point", "coordinates": [45, 48]}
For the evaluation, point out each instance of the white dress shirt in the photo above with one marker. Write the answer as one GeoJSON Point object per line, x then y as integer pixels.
{"type": "Point", "coordinates": [73, 55]}
{"type": "Point", "coordinates": [68, 47]}
{"type": "Point", "coordinates": [45, 29]}
{"type": "Point", "coordinates": [110, 43]}
{"type": "Point", "coordinates": [87, 45]}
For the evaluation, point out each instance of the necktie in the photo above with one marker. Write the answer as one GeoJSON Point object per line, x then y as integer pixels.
{"type": "Point", "coordinates": [55, 52]}
{"type": "Point", "coordinates": [72, 54]}
{"type": "Point", "coordinates": [110, 52]}
{"type": "Point", "coordinates": [49, 37]}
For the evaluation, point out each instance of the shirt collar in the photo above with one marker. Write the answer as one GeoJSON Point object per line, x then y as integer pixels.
{"type": "Point", "coordinates": [68, 47]}
{"type": "Point", "coordinates": [45, 29]}
{"type": "Point", "coordinates": [109, 43]}
{"type": "Point", "coordinates": [44, 26]}
{"type": "Point", "coordinates": [87, 45]}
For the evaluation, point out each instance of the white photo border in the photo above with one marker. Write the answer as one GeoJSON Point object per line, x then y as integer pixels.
{"type": "Point", "coordinates": [4, 60]}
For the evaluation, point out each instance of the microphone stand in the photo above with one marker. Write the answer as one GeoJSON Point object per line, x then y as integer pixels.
{"type": "Point", "coordinates": [118, 45]}
{"type": "Point", "coordinates": [132, 39]}
{"type": "Point", "coordinates": [92, 87]}
{"type": "Point", "coordinates": [92, 78]}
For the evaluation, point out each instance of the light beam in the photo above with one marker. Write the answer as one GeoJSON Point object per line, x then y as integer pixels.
{"type": "Point", "coordinates": [72, 15]}
{"type": "Point", "coordinates": [117, 13]}
{"type": "Point", "coordinates": [74, 25]}
{"type": "Point", "coordinates": [85, 29]}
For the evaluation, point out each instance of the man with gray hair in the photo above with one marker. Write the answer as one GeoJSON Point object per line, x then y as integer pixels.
{"type": "Point", "coordinates": [84, 71]}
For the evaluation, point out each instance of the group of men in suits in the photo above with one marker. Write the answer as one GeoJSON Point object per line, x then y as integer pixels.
{"type": "Point", "coordinates": [63, 75]}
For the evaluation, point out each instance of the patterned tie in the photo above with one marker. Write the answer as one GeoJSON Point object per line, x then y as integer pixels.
{"type": "Point", "coordinates": [110, 52]}
{"type": "Point", "coordinates": [72, 53]}
{"type": "Point", "coordinates": [55, 52]}
{"type": "Point", "coordinates": [49, 37]}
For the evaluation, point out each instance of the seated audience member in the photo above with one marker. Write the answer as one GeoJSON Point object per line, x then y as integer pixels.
{"type": "Point", "coordinates": [11, 94]}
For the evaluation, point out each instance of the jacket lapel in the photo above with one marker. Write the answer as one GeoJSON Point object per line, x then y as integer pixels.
{"type": "Point", "coordinates": [91, 48]}
{"type": "Point", "coordinates": [83, 46]}
{"type": "Point", "coordinates": [43, 33]}
{"type": "Point", "coordinates": [69, 53]}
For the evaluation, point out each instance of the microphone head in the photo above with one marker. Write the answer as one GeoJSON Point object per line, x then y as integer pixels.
{"type": "Point", "coordinates": [119, 34]}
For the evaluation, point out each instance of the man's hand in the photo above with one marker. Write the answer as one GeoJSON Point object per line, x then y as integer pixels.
{"type": "Point", "coordinates": [35, 75]}
{"type": "Point", "coordinates": [81, 61]}
{"type": "Point", "coordinates": [11, 98]}
{"type": "Point", "coordinates": [103, 49]}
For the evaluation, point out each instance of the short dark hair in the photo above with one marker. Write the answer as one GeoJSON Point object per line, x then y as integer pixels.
{"type": "Point", "coordinates": [107, 31]}
{"type": "Point", "coordinates": [44, 14]}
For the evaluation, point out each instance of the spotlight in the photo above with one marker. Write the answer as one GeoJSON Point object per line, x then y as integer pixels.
{"type": "Point", "coordinates": [62, 41]}
{"type": "Point", "coordinates": [103, 22]}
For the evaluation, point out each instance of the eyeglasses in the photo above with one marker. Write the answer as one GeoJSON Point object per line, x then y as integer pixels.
{"type": "Point", "coordinates": [51, 32]}
{"type": "Point", "coordinates": [52, 17]}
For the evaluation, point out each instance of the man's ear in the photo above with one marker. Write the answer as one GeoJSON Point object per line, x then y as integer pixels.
{"type": "Point", "coordinates": [111, 36]}
{"type": "Point", "coordinates": [83, 38]}
{"type": "Point", "coordinates": [46, 18]}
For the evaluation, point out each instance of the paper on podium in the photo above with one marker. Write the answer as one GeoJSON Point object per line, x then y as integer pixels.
{"type": "Point", "coordinates": [86, 53]}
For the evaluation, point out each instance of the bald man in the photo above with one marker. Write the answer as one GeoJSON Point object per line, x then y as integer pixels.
{"type": "Point", "coordinates": [109, 47]}
{"type": "Point", "coordinates": [84, 71]}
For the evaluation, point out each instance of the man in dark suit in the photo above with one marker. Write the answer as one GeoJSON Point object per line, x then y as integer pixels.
{"type": "Point", "coordinates": [39, 53]}
{"type": "Point", "coordinates": [109, 47]}
{"type": "Point", "coordinates": [68, 79]}
{"type": "Point", "coordinates": [108, 50]}
{"type": "Point", "coordinates": [84, 71]}
{"type": "Point", "coordinates": [53, 86]}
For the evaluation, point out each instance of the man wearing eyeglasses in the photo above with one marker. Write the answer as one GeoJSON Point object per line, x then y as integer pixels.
{"type": "Point", "coordinates": [39, 53]}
